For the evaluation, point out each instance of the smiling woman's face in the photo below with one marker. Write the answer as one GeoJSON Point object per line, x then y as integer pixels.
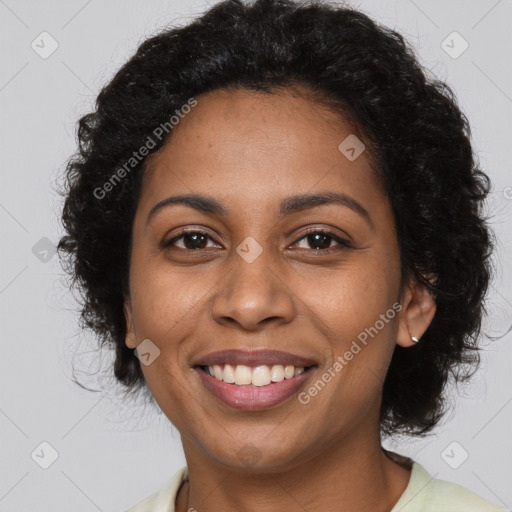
{"type": "Point", "coordinates": [252, 279]}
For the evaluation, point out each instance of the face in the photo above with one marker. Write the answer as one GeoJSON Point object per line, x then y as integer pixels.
{"type": "Point", "coordinates": [254, 269]}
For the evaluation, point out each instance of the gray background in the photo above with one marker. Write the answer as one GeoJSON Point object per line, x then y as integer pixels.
{"type": "Point", "coordinates": [111, 455]}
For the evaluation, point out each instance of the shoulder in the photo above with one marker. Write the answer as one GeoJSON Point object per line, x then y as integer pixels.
{"type": "Point", "coordinates": [163, 500]}
{"type": "Point", "coordinates": [426, 494]}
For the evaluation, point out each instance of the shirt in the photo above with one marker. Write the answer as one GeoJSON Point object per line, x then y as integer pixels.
{"type": "Point", "coordinates": [422, 494]}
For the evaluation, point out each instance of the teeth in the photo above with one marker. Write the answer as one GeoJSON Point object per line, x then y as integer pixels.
{"type": "Point", "coordinates": [242, 375]}
{"type": "Point", "coordinates": [277, 373]}
{"type": "Point", "coordinates": [259, 376]}
{"type": "Point", "coordinates": [229, 374]}
{"type": "Point", "coordinates": [289, 372]}
{"type": "Point", "coordinates": [217, 372]}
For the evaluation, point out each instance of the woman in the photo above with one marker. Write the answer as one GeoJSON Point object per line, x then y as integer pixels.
{"type": "Point", "coordinates": [279, 214]}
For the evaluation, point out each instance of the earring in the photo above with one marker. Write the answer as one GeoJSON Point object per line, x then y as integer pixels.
{"type": "Point", "coordinates": [416, 340]}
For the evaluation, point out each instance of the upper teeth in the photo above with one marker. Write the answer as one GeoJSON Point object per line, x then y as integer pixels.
{"type": "Point", "coordinates": [258, 376]}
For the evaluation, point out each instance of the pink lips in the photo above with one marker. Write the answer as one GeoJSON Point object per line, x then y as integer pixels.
{"type": "Point", "coordinates": [249, 397]}
{"type": "Point", "coordinates": [254, 358]}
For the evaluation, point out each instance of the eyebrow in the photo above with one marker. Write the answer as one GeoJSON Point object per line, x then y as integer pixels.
{"type": "Point", "coordinates": [288, 206]}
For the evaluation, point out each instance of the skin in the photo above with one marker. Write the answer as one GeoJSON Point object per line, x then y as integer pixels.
{"type": "Point", "coordinates": [251, 150]}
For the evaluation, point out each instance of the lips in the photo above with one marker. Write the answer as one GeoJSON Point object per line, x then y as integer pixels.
{"type": "Point", "coordinates": [264, 395]}
{"type": "Point", "coordinates": [253, 398]}
{"type": "Point", "coordinates": [254, 358]}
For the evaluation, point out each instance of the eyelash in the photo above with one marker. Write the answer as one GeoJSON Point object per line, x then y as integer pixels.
{"type": "Point", "coordinates": [343, 244]}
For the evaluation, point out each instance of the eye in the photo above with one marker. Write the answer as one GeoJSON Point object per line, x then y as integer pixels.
{"type": "Point", "coordinates": [192, 240]}
{"type": "Point", "coordinates": [320, 240]}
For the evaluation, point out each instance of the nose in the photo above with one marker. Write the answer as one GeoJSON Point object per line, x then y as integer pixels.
{"type": "Point", "coordinates": [253, 296]}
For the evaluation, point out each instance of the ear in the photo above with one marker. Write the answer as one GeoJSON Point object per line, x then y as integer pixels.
{"type": "Point", "coordinates": [418, 310]}
{"type": "Point", "coordinates": [131, 339]}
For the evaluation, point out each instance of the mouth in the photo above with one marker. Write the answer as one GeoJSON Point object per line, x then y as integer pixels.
{"type": "Point", "coordinates": [253, 388]}
{"type": "Point", "coordinates": [253, 376]}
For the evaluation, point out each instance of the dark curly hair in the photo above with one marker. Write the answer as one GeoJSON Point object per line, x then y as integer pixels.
{"type": "Point", "coordinates": [410, 122]}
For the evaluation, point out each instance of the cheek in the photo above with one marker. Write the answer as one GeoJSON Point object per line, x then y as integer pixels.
{"type": "Point", "coordinates": [344, 302]}
{"type": "Point", "coordinates": [166, 305]}
{"type": "Point", "coordinates": [353, 308]}
{"type": "Point", "coordinates": [165, 299]}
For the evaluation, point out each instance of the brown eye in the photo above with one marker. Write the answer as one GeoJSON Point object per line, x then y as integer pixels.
{"type": "Point", "coordinates": [322, 240]}
{"type": "Point", "coordinates": [192, 240]}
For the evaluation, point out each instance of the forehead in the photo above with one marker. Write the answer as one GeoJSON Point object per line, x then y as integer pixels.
{"type": "Point", "coordinates": [250, 146]}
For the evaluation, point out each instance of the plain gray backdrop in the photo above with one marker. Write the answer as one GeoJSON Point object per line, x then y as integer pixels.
{"type": "Point", "coordinates": [105, 455]}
